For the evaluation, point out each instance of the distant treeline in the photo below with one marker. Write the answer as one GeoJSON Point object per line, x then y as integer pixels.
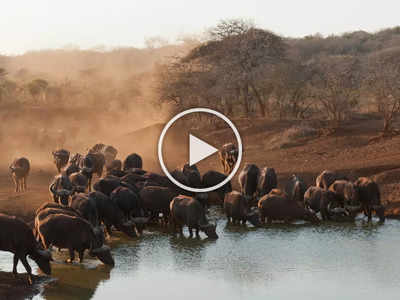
{"type": "Point", "coordinates": [244, 70]}
{"type": "Point", "coordinates": [236, 68]}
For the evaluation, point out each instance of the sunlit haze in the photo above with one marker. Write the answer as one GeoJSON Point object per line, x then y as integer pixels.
{"type": "Point", "coordinates": [43, 24]}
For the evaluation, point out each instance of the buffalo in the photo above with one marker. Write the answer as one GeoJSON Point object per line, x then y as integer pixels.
{"type": "Point", "coordinates": [228, 156]}
{"type": "Point", "coordinates": [188, 211]}
{"type": "Point", "coordinates": [192, 175]}
{"type": "Point", "coordinates": [79, 181]}
{"type": "Point", "coordinates": [248, 181]}
{"type": "Point", "coordinates": [61, 158]}
{"type": "Point", "coordinates": [267, 181]}
{"type": "Point", "coordinates": [109, 152]}
{"type": "Point", "coordinates": [327, 203]}
{"type": "Point", "coordinates": [75, 234]}
{"type": "Point", "coordinates": [107, 184]}
{"type": "Point", "coordinates": [277, 206]}
{"type": "Point", "coordinates": [114, 168]}
{"type": "Point", "coordinates": [61, 189]}
{"type": "Point", "coordinates": [237, 209]}
{"type": "Point", "coordinates": [19, 171]}
{"type": "Point", "coordinates": [370, 198]}
{"type": "Point", "coordinates": [327, 177]}
{"type": "Point", "coordinates": [211, 178]}
{"type": "Point", "coordinates": [132, 161]}
{"type": "Point", "coordinates": [346, 191]}
{"type": "Point", "coordinates": [86, 207]}
{"type": "Point", "coordinates": [16, 237]}
{"type": "Point", "coordinates": [156, 199]}
{"type": "Point", "coordinates": [295, 189]}
{"type": "Point", "coordinates": [111, 215]}
{"type": "Point", "coordinates": [73, 164]}
{"type": "Point", "coordinates": [92, 163]}
{"type": "Point", "coordinates": [128, 201]}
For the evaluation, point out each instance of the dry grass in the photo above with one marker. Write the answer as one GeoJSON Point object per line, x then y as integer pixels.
{"type": "Point", "coordinates": [293, 136]}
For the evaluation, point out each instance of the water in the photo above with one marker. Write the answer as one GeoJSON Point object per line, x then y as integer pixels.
{"type": "Point", "coordinates": [297, 261]}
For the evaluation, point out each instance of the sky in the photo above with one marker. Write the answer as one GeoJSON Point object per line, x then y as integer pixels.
{"type": "Point", "coordinates": [47, 24]}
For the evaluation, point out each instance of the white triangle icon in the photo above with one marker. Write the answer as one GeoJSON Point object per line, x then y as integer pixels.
{"type": "Point", "coordinates": [199, 150]}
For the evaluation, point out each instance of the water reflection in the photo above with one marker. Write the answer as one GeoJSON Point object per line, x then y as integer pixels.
{"type": "Point", "coordinates": [281, 261]}
{"type": "Point", "coordinates": [75, 282]}
{"type": "Point", "coordinates": [188, 253]}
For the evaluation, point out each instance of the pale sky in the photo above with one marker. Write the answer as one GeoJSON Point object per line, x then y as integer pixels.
{"type": "Point", "coordinates": [43, 24]}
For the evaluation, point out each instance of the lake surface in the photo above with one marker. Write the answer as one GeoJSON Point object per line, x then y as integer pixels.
{"type": "Point", "coordinates": [297, 261]}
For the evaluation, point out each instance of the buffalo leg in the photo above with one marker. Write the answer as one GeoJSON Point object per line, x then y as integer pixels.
{"type": "Point", "coordinates": [24, 182]}
{"type": "Point", "coordinates": [244, 221]}
{"type": "Point", "coordinates": [197, 232]}
{"type": "Point", "coordinates": [262, 218]}
{"type": "Point", "coordinates": [81, 255]}
{"type": "Point", "coordinates": [180, 228]}
{"type": "Point", "coordinates": [190, 231]}
{"type": "Point", "coordinates": [71, 255]}
{"type": "Point", "coordinates": [108, 228]}
{"type": "Point", "coordinates": [16, 259]}
{"type": "Point", "coordinates": [15, 182]}
{"type": "Point", "coordinates": [27, 268]}
{"type": "Point", "coordinates": [369, 214]}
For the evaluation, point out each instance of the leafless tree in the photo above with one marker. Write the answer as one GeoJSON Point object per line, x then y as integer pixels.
{"type": "Point", "coordinates": [383, 83]}
{"type": "Point", "coordinates": [336, 84]}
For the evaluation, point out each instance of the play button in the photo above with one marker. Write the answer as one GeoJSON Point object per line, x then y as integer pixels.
{"type": "Point", "coordinates": [199, 149]}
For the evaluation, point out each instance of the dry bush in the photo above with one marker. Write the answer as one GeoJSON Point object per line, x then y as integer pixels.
{"type": "Point", "coordinates": [293, 136]}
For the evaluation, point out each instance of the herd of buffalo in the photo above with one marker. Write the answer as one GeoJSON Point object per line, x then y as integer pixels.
{"type": "Point", "coordinates": [127, 197]}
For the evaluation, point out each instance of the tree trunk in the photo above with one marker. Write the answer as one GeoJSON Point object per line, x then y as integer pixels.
{"type": "Point", "coordinates": [387, 125]}
{"type": "Point", "coordinates": [259, 100]}
{"type": "Point", "coordinates": [246, 100]}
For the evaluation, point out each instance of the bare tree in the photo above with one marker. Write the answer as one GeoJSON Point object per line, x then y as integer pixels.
{"type": "Point", "coordinates": [38, 88]}
{"type": "Point", "coordinates": [383, 83]}
{"type": "Point", "coordinates": [241, 55]}
{"type": "Point", "coordinates": [336, 85]}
